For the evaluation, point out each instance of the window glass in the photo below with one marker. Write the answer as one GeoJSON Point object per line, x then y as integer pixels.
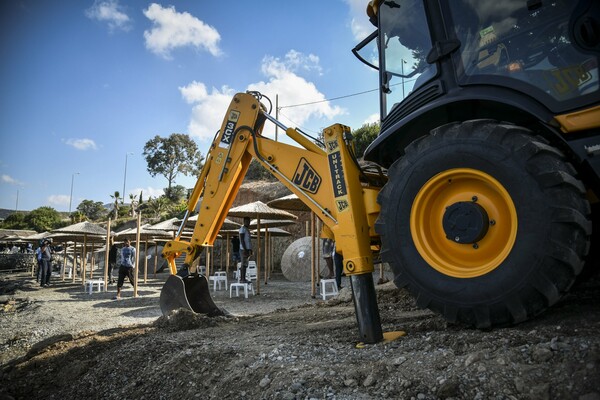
{"type": "Point", "coordinates": [406, 41]}
{"type": "Point", "coordinates": [533, 46]}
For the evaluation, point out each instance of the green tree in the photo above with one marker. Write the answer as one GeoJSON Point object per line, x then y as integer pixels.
{"type": "Point", "coordinates": [93, 210]}
{"type": "Point", "coordinates": [43, 219]}
{"type": "Point", "coordinates": [157, 205]}
{"type": "Point", "coordinates": [77, 216]}
{"type": "Point", "coordinates": [363, 137]}
{"type": "Point", "coordinates": [171, 156]}
{"type": "Point", "coordinates": [176, 193]}
{"type": "Point", "coordinates": [14, 221]}
{"type": "Point", "coordinates": [256, 172]}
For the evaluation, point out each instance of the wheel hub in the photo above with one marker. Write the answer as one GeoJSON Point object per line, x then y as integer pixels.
{"type": "Point", "coordinates": [465, 222]}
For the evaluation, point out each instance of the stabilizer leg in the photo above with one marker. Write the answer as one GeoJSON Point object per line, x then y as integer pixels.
{"type": "Point", "coordinates": [365, 305]}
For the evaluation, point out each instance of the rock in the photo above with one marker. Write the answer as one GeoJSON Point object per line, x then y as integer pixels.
{"type": "Point", "coordinates": [473, 358]}
{"type": "Point", "coordinates": [541, 354]}
{"type": "Point", "coordinates": [264, 382]}
{"type": "Point", "coordinates": [350, 382]}
{"type": "Point", "coordinates": [449, 388]}
{"type": "Point", "coordinates": [295, 387]}
{"type": "Point", "coordinates": [369, 380]}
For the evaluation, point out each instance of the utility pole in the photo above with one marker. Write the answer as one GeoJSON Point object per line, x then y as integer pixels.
{"type": "Point", "coordinates": [276, 114]}
{"type": "Point", "coordinates": [17, 205]}
{"type": "Point", "coordinates": [71, 196]}
{"type": "Point", "coordinates": [125, 178]}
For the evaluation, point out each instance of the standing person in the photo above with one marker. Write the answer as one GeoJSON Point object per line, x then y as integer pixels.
{"type": "Point", "coordinates": [112, 259]}
{"type": "Point", "coordinates": [245, 248]}
{"type": "Point", "coordinates": [38, 257]}
{"type": "Point", "coordinates": [126, 268]}
{"type": "Point", "coordinates": [235, 250]}
{"type": "Point", "coordinates": [328, 249]}
{"type": "Point", "coordinates": [46, 264]}
{"type": "Point", "coordinates": [338, 260]}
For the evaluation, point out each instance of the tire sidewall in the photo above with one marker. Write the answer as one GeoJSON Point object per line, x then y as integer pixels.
{"type": "Point", "coordinates": [532, 207]}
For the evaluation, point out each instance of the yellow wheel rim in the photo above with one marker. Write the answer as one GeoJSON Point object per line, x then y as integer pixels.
{"type": "Point", "coordinates": [445, 255]}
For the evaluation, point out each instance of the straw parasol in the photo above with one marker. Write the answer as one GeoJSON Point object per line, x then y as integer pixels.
{"type": "Point", "coordinates": [290, 203]}
{"type": "Point", "coordinates": [76, 231]}
{"type": "Point", "coordinates": [168, 225]}
{"type": "Point", "coordinates": [227, 224]}
{"type": "Point", "coordinates": [259, 210]}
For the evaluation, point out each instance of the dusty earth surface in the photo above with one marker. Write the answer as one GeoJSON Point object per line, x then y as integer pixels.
{"type": "Point", "coordinates": [61, 343]}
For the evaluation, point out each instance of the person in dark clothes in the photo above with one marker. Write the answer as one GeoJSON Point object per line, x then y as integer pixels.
{"type": "Point", "coordinates": [126, 268]}
{"type": "Point", "coordinates": [112, 260]}
{"type": "Point", "coordinates": [46, 264]}
{"type": "Point", "coordinates": [235, 250]}
{"type": "Point", "coordinates": [245, 248]}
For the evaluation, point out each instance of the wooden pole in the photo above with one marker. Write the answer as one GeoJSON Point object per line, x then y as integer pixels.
{"type": "Point", "coordinates": [266, 252]}
{"type": "Point", "coordinates": [312, 256]}
{"type": "Point", "coordinates": [221, 255]}
{"type": "Point", "coordinates": [258, 255]}
{"type": "Point", "coordinates": [228, 256]}
{"type": "Point", "coordinates": [137, 255]}
{"type": "Point", "coordinates": [92, 261]}
{"type": "Point", "coordinates": [208, 254]}
{"type": "Point", "coordinates": [155, 256]}
{"type": "Point", "coordinates": [106, 250]}
{"type": "Point", "coordinates": [84, 259]}
{"type": "Point", "coordinates": [62, 274]}
{"type": "Point", "coordinates": [146, 260]}
{"type": "Point", "coordinates": [307, 229]}
{"type": "Point", "coordinates": [74, 272]}
{"type": "Point", "coordinates": [318, 263]}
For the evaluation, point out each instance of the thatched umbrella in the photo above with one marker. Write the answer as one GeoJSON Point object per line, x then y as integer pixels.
{"type": "Point", "coordinates": [290, 203]}
{"type": "Point", "coordinates": [37, 237]}
{"type": "Point", "coordinates": [293, 203]}
{"type": "Point", "coordinates": [259, 210]}
{"type": "Point", "coordinates": [84, 228]}
{"type": "Point", "coordinates": [78, 235]}
{"type": "Point", "coordinates": [171, 225]}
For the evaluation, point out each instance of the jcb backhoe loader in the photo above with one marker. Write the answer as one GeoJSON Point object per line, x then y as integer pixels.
{"type": "Point", "coordinates": [490, 128]}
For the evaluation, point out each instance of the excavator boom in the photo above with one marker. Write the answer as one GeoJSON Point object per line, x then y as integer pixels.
{"type": "Point", "coordinates": [329, 181]}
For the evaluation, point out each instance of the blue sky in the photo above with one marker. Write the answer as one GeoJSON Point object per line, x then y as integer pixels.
{"type": "Point", "coordinates": [84, 83]}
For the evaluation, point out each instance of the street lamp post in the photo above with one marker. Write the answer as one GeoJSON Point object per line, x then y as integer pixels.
{"type": "Point", "coordinates": [71, 196]}
{"type": "Point", "coordinates": [125, 178]}
{"type": "Point", "coordinates": [402, 62]}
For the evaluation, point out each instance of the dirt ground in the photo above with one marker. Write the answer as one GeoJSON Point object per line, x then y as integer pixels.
{"type": "Point", "coordinates": [62, 343]}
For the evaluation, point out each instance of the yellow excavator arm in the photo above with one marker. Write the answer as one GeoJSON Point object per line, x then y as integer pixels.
{"type": "Point", "coordinates": [329, 181]}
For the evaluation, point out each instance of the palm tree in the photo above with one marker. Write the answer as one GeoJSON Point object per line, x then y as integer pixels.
{"type": "Point", "coordinates": [132, 200]}
{"type": "Point", "coordinates": [116, 196]}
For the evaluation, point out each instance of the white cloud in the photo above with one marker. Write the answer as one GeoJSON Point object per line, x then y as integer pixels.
{"type": "Point", "coordinates": [371, 119]}
{"type": "Point", "coordinates": [147, 192]}
{"type": "Point", "coordinates": [173, 29]}
{"type": "Point", "coordinates": [360, 24]}
{"type": "Point", "coordinates": [109, 11]}
{"type": "Point", "coordinates": [209, 107]}
{"type": "Point", "coordinates": [294, 89]}
{"type": "Point", "coordinates": [9, 179]}
{"type": "Point", "coordinates": [82, 144]}
{"type": "Point", "coordinates": [59, 199]}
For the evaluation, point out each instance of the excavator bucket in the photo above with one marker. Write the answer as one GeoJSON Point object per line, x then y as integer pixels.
{"type": "Point", "coordinates": [190, 292]}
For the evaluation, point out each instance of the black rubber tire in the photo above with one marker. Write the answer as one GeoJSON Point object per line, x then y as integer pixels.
{"type": "Point", "coordinates": [553, 234]}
